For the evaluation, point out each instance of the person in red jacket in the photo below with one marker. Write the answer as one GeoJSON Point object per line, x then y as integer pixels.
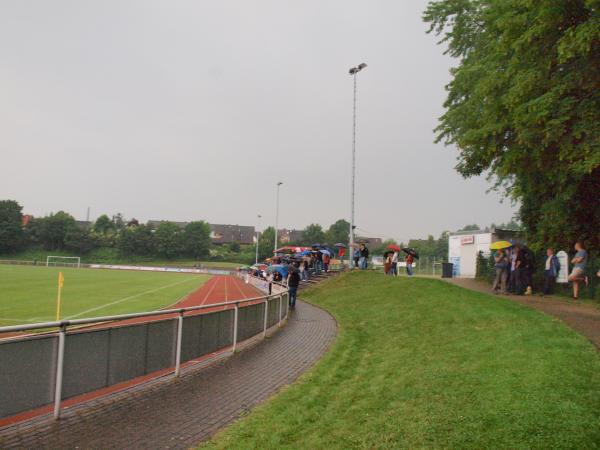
{"type": "Point", "coordinates": [409, 262]}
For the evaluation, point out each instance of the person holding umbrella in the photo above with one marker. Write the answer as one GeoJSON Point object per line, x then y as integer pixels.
{"type": "Point", "coordinates": [394, 259]}
{"type": "Point", "coordinates": [411, 254]}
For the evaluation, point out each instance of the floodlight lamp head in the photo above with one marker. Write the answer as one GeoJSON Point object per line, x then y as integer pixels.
{"type": "Point", "coordinates": [279, 183]}
{"type": "Point", "coordinates": [361, 66]}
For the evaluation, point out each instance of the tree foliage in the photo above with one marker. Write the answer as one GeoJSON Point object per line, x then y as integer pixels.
{"type": "Point", "coordinates": [168, 240]}
{"type": "Point", "coordinates": [313, 234]}
{"type": "Point", "coordinates": [338, 232]}
{"type": "Point", "coordinates": [51, 231]}
{"type": "Point", "coordinates": [104, 225]}
{"type": "Point", "coordinates": [265, 243]}
{"type": "Point", "coordinates": [523, 106]}
{"type": "Point", "coordinates": [137, 241]}
{"type": "Point", "coordinates": [11, 228]}
{"type": "Point", "coordinates": [197, 239]}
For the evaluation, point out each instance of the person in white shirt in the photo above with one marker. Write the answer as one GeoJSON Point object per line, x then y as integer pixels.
{"type": "Point", "coordinates": [394, 268]}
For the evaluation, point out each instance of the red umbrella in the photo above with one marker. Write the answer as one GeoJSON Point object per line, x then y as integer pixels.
{"type": "Point", "coordinates": [394, 247]}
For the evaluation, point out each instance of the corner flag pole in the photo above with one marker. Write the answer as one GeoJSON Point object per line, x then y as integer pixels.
{"type": "Point", "coordinates": [61, 281]}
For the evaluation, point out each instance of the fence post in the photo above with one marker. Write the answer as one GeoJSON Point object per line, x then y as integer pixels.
{"type": "Point", "coordinates": [235, 326]}
{"type": "Point", "coordinates": [59, 371]}
{"type": "Point", "coordinates": [179, 337]}
{"type": "Point", "coordinates": [280, 309]}
{"type": "Point", "coordinates": [266, 317]}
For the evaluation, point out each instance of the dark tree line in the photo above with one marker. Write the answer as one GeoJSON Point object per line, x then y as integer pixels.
{"type": "Point", "coordinates": [60, 231]}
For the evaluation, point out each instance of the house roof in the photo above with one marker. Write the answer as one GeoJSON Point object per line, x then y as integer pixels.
{"type": "Point", "coordinates": [226, 234]}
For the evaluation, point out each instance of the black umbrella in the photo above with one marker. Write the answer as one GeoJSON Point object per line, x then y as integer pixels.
{"type": "Point", "coordinates": [411, 251]}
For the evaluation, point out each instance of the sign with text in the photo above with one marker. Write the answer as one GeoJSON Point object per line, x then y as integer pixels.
{"type": "Point", "coordinates": [465, 240]}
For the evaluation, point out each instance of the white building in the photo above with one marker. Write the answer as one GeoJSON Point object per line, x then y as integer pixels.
{"type": "Point", "coordinates": [463, 247]}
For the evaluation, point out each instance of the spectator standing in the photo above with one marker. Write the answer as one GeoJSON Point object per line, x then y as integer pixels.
{"type": "Point", "coordinates": [501, 264]}
{"type": "Point", "coordinates": [364, 257]}
{"type": "Point", "coordinates": [394, 267]}
{"type": "Point", "coordinates": [578, 273]}
{"type": "Point", "coordinates": [326, 262]}
{"type": "Point", "coordinates": [409, 262]}
{"type": "Point", "coordinates": [519, 272]}
{"type": "Point", "coordinates": [551, 270]}
{"type": "Point", "coordinates": [528, 266]}
{"type": "Point", "coordinates": [387, 262]}
{"type": "Point", "coordinates": [356, 257]}
{"type": "Point", "coordinates": [293, 281]}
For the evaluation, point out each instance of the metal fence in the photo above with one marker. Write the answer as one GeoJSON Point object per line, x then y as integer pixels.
{"type": "Point", "coordinates": [38, 370]}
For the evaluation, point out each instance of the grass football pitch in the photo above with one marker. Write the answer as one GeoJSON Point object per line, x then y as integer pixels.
{"type": "Point", "coordinates": [28, 294]}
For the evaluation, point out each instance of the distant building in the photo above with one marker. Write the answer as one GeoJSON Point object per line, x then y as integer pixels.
{"type": "Point", "coordinates": [286, 236]}
{"type": "Point", "coordinates": [463, 247]}
{"type": "Point", "coordinates": [220, 234]}
{"type": "Point", "coordinates": [227, 234]}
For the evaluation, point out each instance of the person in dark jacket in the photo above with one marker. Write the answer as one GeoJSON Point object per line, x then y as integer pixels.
{"type": "Point", "coordinates": [364, 256]}
{"type": "Point", "coordinates": [293, 281]}
{"type": "Point", "coordinates": [550, 272]}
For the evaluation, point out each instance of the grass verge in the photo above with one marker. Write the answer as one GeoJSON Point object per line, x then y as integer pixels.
{"type": "Point", "coordinates": [419, 363]}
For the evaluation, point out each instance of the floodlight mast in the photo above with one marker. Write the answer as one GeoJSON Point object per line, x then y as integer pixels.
{"type": "Point", "coordinates": [353, 72]}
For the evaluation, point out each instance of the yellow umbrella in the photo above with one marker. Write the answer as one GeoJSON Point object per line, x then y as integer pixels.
{"type": "Point", "coordinates": [500, 245]}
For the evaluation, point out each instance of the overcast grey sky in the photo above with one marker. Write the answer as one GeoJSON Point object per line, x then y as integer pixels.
{"type": "Point", "coordinates": [188, 110]}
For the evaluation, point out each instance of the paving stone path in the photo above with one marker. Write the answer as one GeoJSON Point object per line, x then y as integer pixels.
{"type": "Point", "coordinates": [180, 413]}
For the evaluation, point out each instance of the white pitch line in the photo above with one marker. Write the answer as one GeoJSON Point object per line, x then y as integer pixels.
{"type": "Point", "coordinates": [121, 300]}
{"type": "Point", "coordinates": [8, 319]}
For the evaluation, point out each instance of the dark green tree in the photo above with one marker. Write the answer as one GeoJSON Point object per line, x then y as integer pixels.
{"type": "Point", "coordinates": [313, 234]}
{"type": "Point", "coordinates": [104, 225]}
{"type": "Point", "coordinates": [473, 227]}
{"type": "Point", "coordinates": [51, 231]}
{"type": "Point", "coordinates": [80, 240]}
{"type": "Point", "coordinates": [197, 239]}
{"type": "Point", "coordinates": [265, 243]}
{"type": "Point", "coordinates": [338, 232]}
{"type": "Point", "coordinates": [137, 241]}
{"type": "Point", "coordinates": [168, 240]}
{"type": "Point", "coordinates": [11, 226]}
{"type": "Point", "coordinates": [523, 106]}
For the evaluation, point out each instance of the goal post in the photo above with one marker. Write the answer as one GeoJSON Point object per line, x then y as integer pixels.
{"type": "Point", "coordinates": [63, 261]}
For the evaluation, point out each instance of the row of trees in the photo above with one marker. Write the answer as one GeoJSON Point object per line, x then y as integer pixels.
{"type": "Point", "coordinates": [60, 231]}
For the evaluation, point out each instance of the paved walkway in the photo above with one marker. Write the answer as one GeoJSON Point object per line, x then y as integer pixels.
{"type": "Point", "coordinates": [583, 318]}
{"type": "Point", "coordinates": [180, 413]}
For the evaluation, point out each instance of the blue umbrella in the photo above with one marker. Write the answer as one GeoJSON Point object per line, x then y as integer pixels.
{"type": "Point", "coordinates": [325, 252]}
{"type": "Point", "coordinates": [305, 253]}
{"type": "Point", "coordinates": [283, 270]}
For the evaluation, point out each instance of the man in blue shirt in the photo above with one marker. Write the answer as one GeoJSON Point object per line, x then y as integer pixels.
{"type": "Point", "coordinates": [578, 273]}
{"type": "Point", "coordinates": [551, 269]}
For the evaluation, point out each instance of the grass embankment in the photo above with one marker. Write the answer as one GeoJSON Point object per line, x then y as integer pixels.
{"type": "Point", "coordinates": [28, 294]}
{"type": "Point", "coordinates": [419, 363]}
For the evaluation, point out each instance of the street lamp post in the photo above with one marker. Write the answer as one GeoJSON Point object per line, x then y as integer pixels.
{"type": "Point", "coordinates": [353, 71]}
{"type": "Point", "coordinates": [279, 183]}
{"type": "Point", "coordinates": [257, 236]}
